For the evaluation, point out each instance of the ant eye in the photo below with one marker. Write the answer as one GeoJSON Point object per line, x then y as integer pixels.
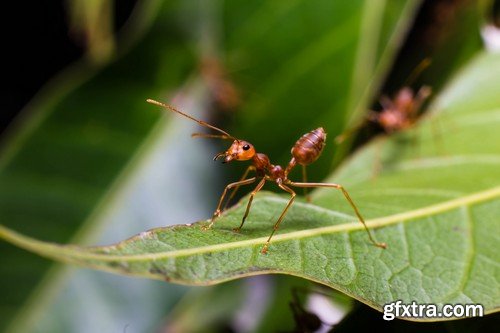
{"type": "Point", "coordinates": [246, 147]}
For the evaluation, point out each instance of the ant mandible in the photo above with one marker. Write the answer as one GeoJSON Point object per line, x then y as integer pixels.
{"type": "Point", "coordinates": [305, 151]}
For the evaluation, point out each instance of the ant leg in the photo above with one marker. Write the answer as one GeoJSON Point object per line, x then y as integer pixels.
{"type": "Point", "coordinates": [233, 192]}
{"type": "Point", "coordinates": [304, 179]}
{"type": "Point", "coordinates": [277, 224]}
{"type": "Point", "coordinates": [221, 200]}
{"type": "Point", "coordinates": [257, 189]}
{"type": "Point", "coordinates": [423, 93]}
{"type": "Point", "coordinates": [348, 198]}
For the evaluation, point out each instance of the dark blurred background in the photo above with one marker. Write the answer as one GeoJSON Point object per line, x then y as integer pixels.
{"type": "Point", "coordinates": [38, 42]}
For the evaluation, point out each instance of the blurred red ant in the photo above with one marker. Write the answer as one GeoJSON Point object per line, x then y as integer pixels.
{"type": "Point", "coordinates": [402, 111]}
{"type": "Point", "coordinates": [305, 151]}
{"type": "Point", "coordinates": [223, 91]}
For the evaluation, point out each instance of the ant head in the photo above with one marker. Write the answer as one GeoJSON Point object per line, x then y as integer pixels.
{"type": "Point", "coordinates": [239, 151]}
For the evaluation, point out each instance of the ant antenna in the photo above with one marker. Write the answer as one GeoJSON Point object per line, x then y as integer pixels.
{"type": "Point", "coordinates": [201, 122]}
{"type": "Point", "coordinates": [417, 71]}
{"type": "Point", "coordinates": [214, 136]}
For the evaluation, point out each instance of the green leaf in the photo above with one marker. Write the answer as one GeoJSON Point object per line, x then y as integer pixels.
{"type": "Point", "coordinates": [213, 308]}
{"type": "Point", "coordinates": [437, 211]}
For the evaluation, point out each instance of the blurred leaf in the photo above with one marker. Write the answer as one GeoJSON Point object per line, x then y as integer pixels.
{"type": "Point", "coordinates": [436, 212]}
{"type": "Point", "coordinates": [304, 64]}
{"type": "Point", "coordinates": [92, 25]}
{"type": "Point", "coordinates": [213, 309]}
{"type": "Point", "coordinates": [279, 316]}
{"type": "Point", "coordinates": [60, 166]}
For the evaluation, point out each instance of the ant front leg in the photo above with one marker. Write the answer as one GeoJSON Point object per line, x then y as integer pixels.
{"type": "Point", "coordinates": [233, 192]}
{"type": "Point", "coordinates": [422, 95]}
{"type": "Point", "coordinates": [254, 192]}
{"type": "Point", "coordinates": [221, 200]}
{"type": "Point", "coordinates": [348, 198]}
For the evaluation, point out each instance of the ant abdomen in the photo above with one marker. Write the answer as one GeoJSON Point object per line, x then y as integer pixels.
{"type": "Point", "coordinates": [308, 148]}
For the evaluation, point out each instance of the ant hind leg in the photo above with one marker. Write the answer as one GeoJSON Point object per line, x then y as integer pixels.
{"type": "Point", "coordinates": [351, 203]}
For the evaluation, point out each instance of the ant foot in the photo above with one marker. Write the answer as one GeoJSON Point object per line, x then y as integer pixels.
{"type": "Point", "coordinates": [264, 248]}
{"type": "Point", "coordinates": [208, 226]}
{"type": "Point", "coordinates": [217, 214]}
{"type": "Point", "coordinates": [237, 229]}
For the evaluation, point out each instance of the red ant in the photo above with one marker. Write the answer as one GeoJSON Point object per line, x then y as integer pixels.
{"type": "Point", "coordinates": [305, 151]}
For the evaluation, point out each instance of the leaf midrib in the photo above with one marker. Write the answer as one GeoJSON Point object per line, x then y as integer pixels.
{"type": "Point", "coordinates": [54, 250]}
